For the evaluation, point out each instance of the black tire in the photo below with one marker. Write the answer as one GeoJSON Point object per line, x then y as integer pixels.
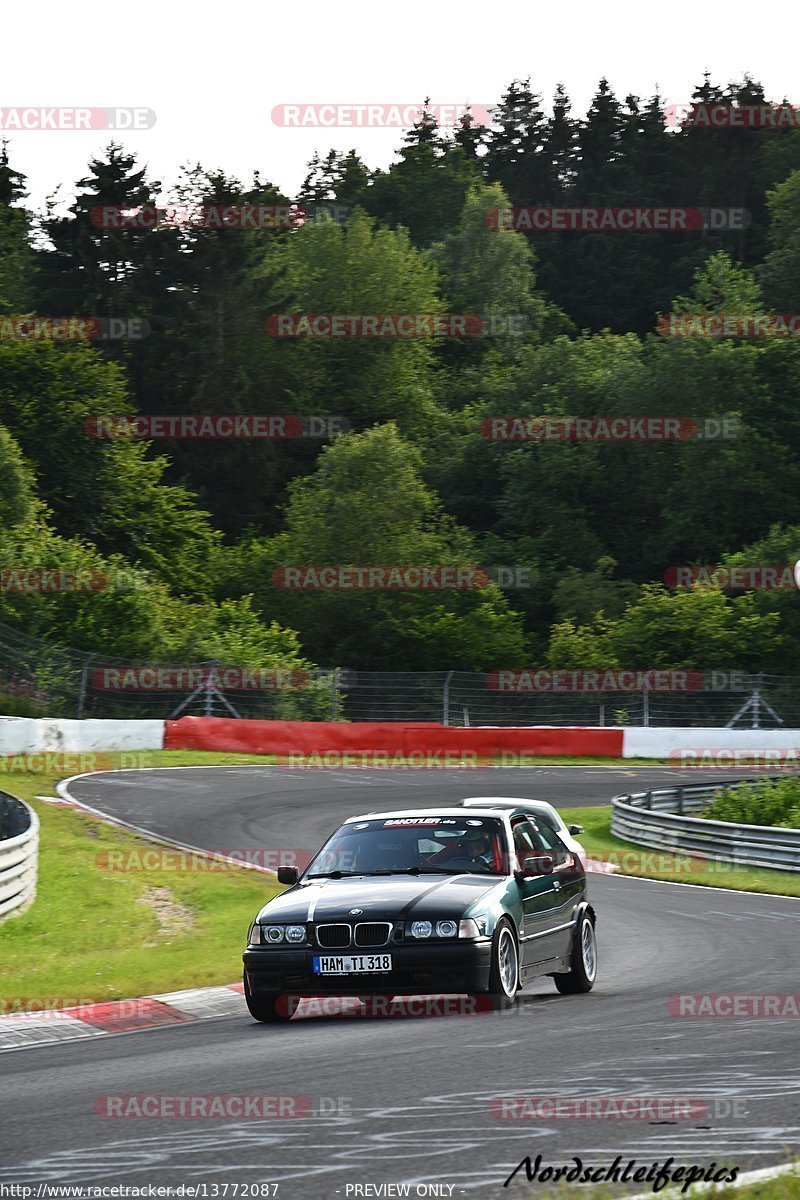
{"type": "Point", "coordinates": [504, 971]}
{"type": "Point", "coordinates": [583, 960]}
{"type": "Point", "coordinates": [271, 1008]}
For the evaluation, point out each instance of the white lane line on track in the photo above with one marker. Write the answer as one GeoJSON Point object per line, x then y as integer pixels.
{"type": "Point", "coordinates": [63, 790]}
{"type": "Point", "coordinates": [709, 887]}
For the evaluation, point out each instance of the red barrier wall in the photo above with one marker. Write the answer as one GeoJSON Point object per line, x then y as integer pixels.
{"type": "Point", "coordinates": [394, 737]}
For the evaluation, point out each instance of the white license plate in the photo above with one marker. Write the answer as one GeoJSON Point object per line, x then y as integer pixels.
{"type": "Point", "coordinates": [348, 964]}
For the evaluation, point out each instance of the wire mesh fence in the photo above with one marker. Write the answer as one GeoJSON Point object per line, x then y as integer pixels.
{"type": "Point", "coordinates": [460, 698]}
{"type": "Point", "coordinates": [38, 678]}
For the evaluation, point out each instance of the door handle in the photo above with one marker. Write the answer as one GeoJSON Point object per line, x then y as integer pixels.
{"type": "Point", "coordinates": [556, 885]}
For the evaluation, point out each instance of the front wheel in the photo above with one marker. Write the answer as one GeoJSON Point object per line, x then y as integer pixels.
{"type": "Point", "coordinates": [270, 1008]}
{"type": "Point", "coordinates": [583, 960]}
{"type": "Point", "coordinates": [504, 972]}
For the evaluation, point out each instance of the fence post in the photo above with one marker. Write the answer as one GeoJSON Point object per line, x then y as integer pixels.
{"type": "Point", "coordinates": [446, 699]}
{"type": "Point", "coordinates": [646, 704]}
{"type": "Point", "coordinates": [334, 694]}
{"type": "Point", "coordinates": [679, 804]}
{"type": "Point", "coordinates": [82, 686]}
{"type": "Point", "coordinates": [210, 688]}
{"type": "Point", "coordinates": [756, 703]}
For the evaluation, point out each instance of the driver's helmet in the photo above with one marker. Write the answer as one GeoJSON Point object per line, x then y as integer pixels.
{"type": "Point", "coordinates": [476, 843]}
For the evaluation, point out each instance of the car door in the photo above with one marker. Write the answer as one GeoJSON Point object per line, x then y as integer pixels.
{"type": "Point", "coordinates": [537, 894]}
{"type": "Point", "coordinates": [568, 883]}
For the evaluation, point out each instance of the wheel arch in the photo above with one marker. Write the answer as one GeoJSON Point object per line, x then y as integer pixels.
{"type": "Point", "coordinates": [585, 908]}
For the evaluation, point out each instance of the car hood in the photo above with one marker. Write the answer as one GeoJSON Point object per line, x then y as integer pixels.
{"type": "Point", "coordinates": [388, 898]}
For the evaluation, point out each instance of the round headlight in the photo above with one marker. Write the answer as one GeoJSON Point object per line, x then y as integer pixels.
{"type": "Point", "coordinates": [421, 929]}
{"type": "Point", "coordinates": [446, 929]}
{"type": "Point", "coordinates": [295, 933]}
{"type": "Point", "coordinates": [273, 933]}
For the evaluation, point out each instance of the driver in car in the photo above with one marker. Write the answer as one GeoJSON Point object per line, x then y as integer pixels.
{"type": "Point", "coordinates": [476, 845]}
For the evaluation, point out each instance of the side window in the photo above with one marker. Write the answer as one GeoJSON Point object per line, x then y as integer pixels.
{"type": "Point", "coordinates": [527, 842]}
{"type": "Point", "coordinates": [553, 845]}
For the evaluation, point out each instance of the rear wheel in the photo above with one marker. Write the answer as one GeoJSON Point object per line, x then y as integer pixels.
{"type": "Point", "coordinates": [271, 1007]}
{"type": "Point", "coordinates": [583, 960]}
{"type": "Point", "coordinates": [504, 972]}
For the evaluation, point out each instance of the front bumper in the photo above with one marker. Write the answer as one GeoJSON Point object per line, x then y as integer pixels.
{"type": "Point", "coordinates": [417, 970]}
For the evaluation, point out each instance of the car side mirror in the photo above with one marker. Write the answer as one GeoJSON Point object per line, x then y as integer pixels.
{"type": "Point", "coordinates": [543, 864]}
{"type": "Point", "coordinates": [575, 830]}
{"type": "Point", "coordinates": [288, 875]}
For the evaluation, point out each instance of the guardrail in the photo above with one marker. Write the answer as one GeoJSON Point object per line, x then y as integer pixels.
{"type": "Point", "coordinates": [19, 853]}
{"type": "Point", "coordinates": [657, 819]}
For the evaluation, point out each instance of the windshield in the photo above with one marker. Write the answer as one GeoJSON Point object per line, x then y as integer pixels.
{"type": "Point", "coordinates": [414, 845]}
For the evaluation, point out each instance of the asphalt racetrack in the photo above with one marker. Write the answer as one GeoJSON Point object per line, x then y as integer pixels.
{"type": "Point", "coordinates": [408, 1100]}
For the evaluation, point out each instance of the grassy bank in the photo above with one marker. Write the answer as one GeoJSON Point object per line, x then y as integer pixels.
{"type": "Point", "coordinates": [95, 933]}
{"type": "Point", "coordinates": [600, 843]}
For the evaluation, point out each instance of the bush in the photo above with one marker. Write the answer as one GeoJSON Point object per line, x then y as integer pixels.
{"type": "Point", "coordinates": [766, 803]}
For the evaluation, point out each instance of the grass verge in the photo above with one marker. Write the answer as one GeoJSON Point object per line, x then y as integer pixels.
{"type": "Point", "coordinates": [673, 868]}
{"type": "Point", "coordinates": [137, 759]}
{"type": "Point", "coordinates": [99, 934]}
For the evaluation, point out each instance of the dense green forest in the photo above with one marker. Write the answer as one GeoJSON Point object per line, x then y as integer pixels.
{"type": "Point", "coordinates": [193, 531]}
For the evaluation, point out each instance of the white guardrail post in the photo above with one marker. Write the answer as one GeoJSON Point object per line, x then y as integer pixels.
{"type": "Point", "coordinates": [19, 853]}
{"type": "Point", "coordinates": [657, 819]}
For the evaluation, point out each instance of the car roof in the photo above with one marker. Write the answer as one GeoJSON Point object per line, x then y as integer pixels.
{"type": "Point", "coordinates": [501, 811]}
{"type": "Point", "coordinates": [503, 802]}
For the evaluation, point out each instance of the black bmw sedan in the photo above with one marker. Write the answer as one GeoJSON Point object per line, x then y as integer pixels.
{"type": "Point", "coordinates": [421, 902]}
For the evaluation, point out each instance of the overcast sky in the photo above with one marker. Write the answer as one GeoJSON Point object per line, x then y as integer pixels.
{"type": "Point", "coordinates": [214, 74]}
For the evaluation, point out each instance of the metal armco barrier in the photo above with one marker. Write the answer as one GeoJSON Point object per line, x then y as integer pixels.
{"type": "Point", "coordinates": [657, 819]}
{"type": "Point", "coordinates": [19, 853]}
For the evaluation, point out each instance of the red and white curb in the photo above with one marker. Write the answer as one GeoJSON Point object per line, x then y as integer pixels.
{"type": "Point", "coordinates": [24, 1030]}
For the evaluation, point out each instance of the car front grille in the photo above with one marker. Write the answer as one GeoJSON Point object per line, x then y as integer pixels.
{"type": "Point", "coordinates": [333, 936]}
{"type": "Point", "coordinates": [373, 933]}
{"type": "Point", "coordinates": [366, 935]}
